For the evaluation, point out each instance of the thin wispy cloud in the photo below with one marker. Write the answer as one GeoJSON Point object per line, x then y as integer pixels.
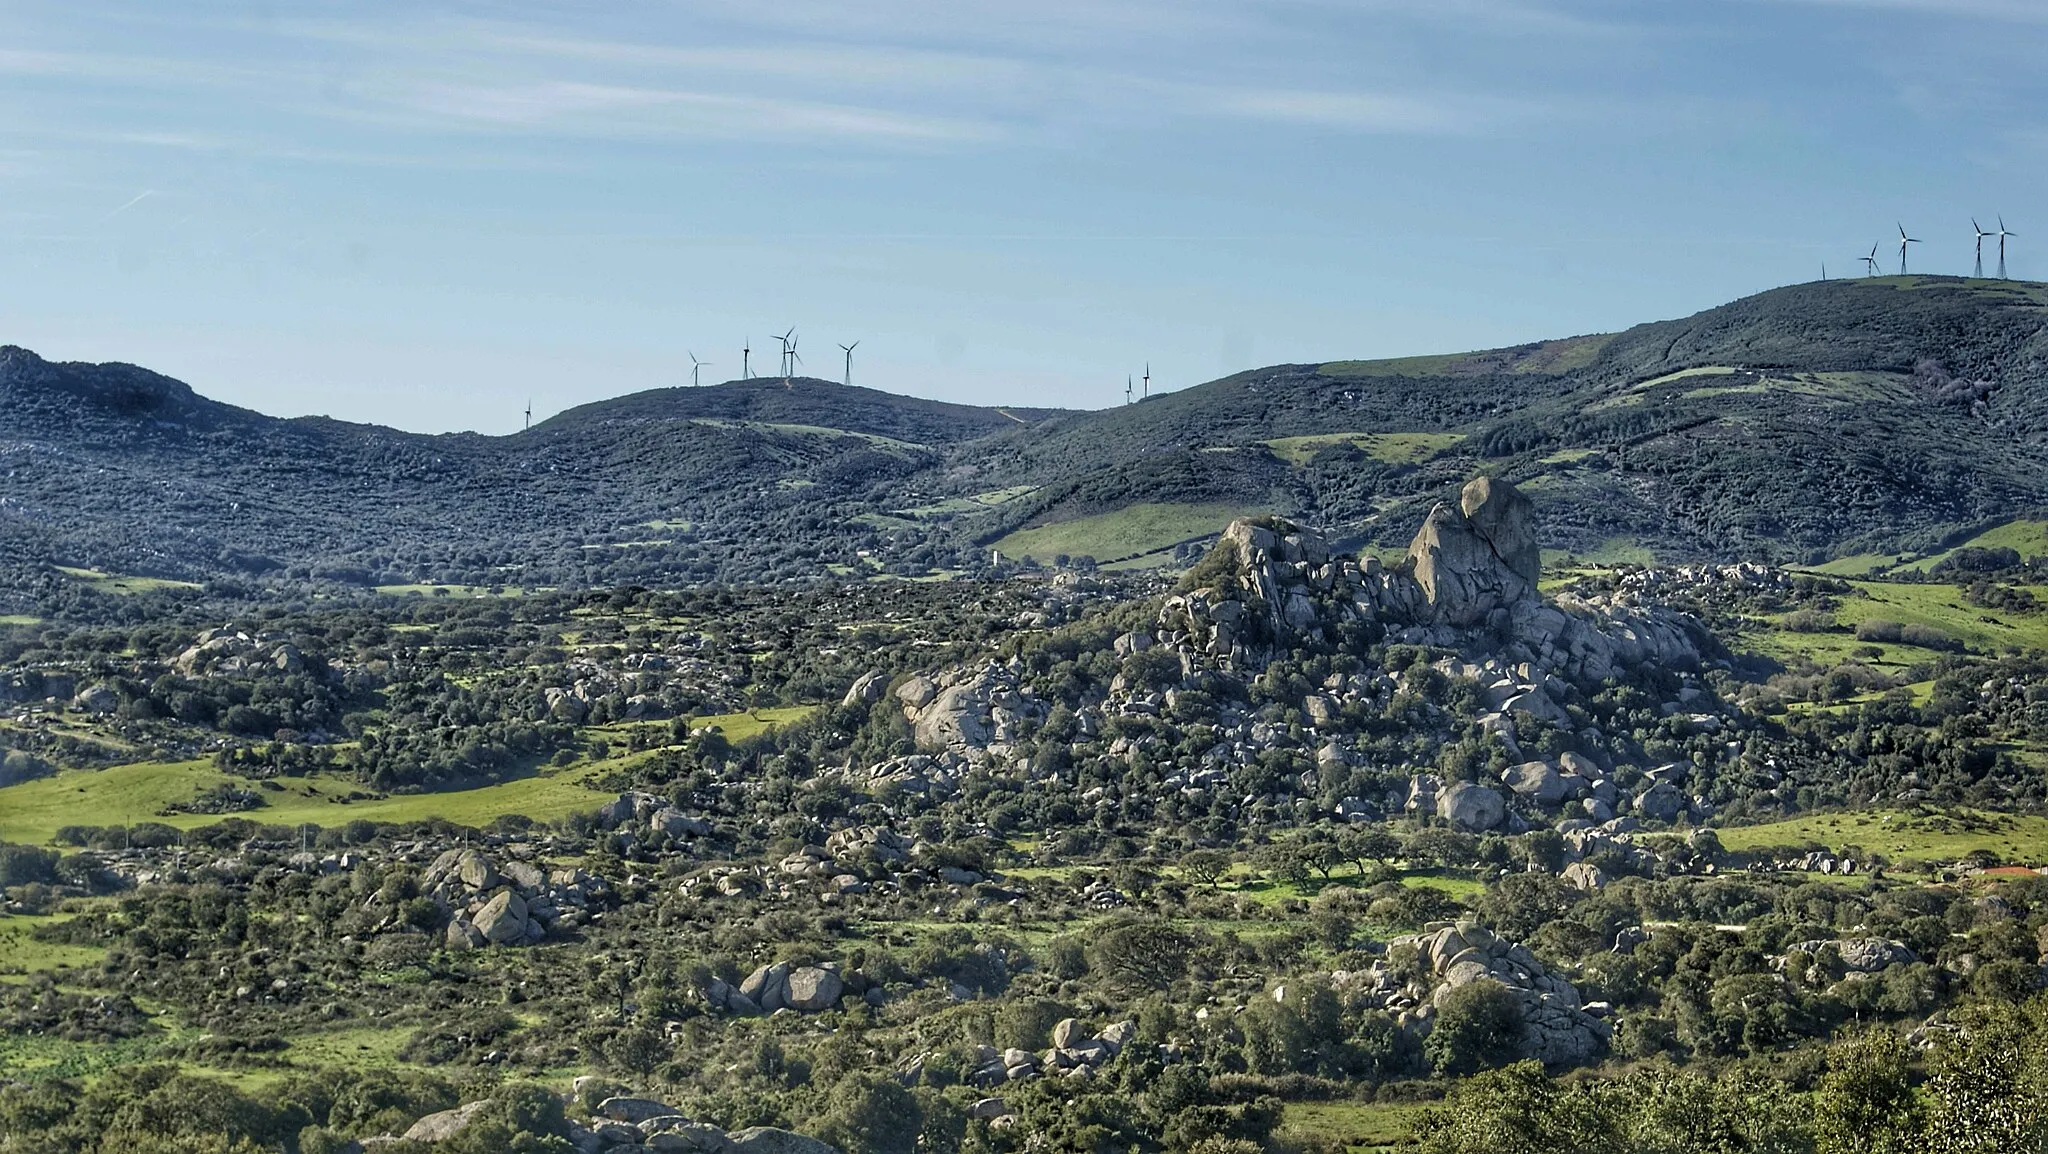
{"type": "Point", "coordinates": [1354, 111]}
{"type": "Point", "coordinates": [145, 194]}
{"type": "Point", "coordinates": [2012, 11]}
{"type": "Point", "coordinates": [585, 109]}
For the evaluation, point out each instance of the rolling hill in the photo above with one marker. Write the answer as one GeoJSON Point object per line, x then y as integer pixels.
{"type": "Point", "coordinates": [1885, 416]}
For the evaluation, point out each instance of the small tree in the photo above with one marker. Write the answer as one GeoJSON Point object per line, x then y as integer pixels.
{"type": "Point", "coordinates": [1478, 1026]}
{"type": "Point", "coordinates": [1205, 865]}
{"type": "Point", "coordinates": [1373, 843]}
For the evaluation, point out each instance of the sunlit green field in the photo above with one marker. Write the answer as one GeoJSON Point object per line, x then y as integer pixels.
{"type": "Point", "coordinates": [33, 811]}
{"type": "Point", "coordinates": [1904, 836]}
{"type": "Point", "coordinates": [451, 591]}
{"type": "Point", "coordinates": [1353, 1125]}
{"type": "Point", "coordinates": [1937, 606]}
{"type": "Point", "coordinates": [1394, 448]}
{"type": "Point", "coordinates": [120, 583]}
{"type": "Point", "coordinates": [1128, 532]}
{"type": "Point", "coordinates": [2028, 537]}
{"type": "Point", "coordinates": [21, 954]}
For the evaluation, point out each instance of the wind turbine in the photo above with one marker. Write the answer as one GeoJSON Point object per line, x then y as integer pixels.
{"type": "Point", "coordinates": [790, 360]}
{"type": "Point", "coordinates": [1981, 234]}
{"type": "Point", "coordinates": [1127, 388]}
{"type": "Point", "coordinates": [2003, 232]}
{"type": "Point", "coordinates": [747, 359]}
{"type": "Point", "coordinates": [1870, 262]}
{"type": "Point", "coordinates": [1148, 382]}
{"type": "Point", "coordinates": [849, 361]}
{"type": "Point", "coordinates": [1904, 240]}
{"type": "Point", "coordinates": [529, 413]}
{"type": "Point", "coordinates": [695, 364]}
{"type": "Point", "coordinates": [784, 338]}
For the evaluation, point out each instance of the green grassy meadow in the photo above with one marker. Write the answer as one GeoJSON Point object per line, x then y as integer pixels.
{"type": "Point", "coordinates": [121, 584]}
{"type": "Point", "coordinates": [33, 811]}
{"type": "Point", "coordinates": [1372, 1126]}
{"type": "Point", "coordinates": [1937, 606]}
{"type": "Point", "coordinates": [1128, 533]}
{"type": "Point", "coordinates": [21, 954]}
{"type": "Point", "coordinates": [1906, 836]}
{"type": "Point", "coordinates": [418, 590]}
{"type": "Point", "coordinates": [1393, 448]}
{"type": "Point", "coordinates": [2028, 536]}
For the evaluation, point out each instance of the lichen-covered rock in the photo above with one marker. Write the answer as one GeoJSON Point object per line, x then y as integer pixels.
{"type": "Point", "coordinates": [445, 1124]}
{"type": "Point", "coordinates": [1537, 781]}
{"type": "Point", "coordinates": [1472, 808]}
{"type": "Point", "coordinates": [502, 920]}
{"type": "Point", "coordinates": [811, 989]}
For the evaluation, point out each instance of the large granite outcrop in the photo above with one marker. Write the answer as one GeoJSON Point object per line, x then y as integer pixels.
{"type": "Point", "coordinates": [969, 710]}
{"type": "Point", "coordinates": [1469, 582]}
{"type": "Point", "coordinates": [1478, 558]}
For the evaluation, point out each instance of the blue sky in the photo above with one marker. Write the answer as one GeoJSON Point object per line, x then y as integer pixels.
{"type": "Point", "coordinates": [424, 214]}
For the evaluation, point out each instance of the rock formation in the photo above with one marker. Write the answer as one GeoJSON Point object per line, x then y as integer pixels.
{"type": "Point", "coordinates": [1469, 582]}
{"type": "Point", "coordinates": [782, 986]}
{"type": "Point", "coordinates": [1557, 1029]}
{"type": "Point", "coordinates": [513, 905]}
{"type": "Point", "coordinates": [627, 1125]}
{"type": "Point", "coordinates": [968, 709]}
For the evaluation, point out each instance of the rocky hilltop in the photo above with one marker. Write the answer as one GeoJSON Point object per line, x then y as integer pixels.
{"type": "Point", "coordinates": [1272, 596]}
{"type": "Point", "coordinates": [1469, 582]}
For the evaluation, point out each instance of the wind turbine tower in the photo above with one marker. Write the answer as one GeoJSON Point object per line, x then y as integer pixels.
{"type": "Point", "coordinates": [848, 380]}
{"type": "Point", "coordinates": [792, 360]}
{"type": "Point", "coordinates": [1146, 395]}
{"type": "Point", "coordinates": [2003, 232]}
{"type": "Point", "coordinates": [529, 414]}
{"type": "Point", "coordinates": [1981, 234]}
{"type": "Point", "coordinates": [746, 359]}
{"type": "Point", "coordinates": [695, 364]}
{"type": "Point", "coordinates": [1870, 262]}
{"type": "Point", "coordinates": [1127, 388]}
{"type": "Point", "coordinates": [1904, 240]}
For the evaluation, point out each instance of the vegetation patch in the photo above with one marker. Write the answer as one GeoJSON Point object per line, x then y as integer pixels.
{"type": "Point", "coordinates": [1907, 835]}
{"type": "Point", "coordinates": [1392, 448]}
{"type": "Point", "coordinates": [121, 584]}
{"type": "Point", "coordinates": [1129, 532]}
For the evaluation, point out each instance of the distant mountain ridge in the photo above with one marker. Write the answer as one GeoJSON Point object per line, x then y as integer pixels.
{"type": "Point", "coordinates": [1805, 422]}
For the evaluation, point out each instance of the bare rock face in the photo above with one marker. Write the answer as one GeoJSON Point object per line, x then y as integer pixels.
{"type": "Point", "coordinates": [867, 689]}
{"type": "Point", "coordinates": [955, 718]}
{"type": "Point", "coordinates": [1472, 808]}
{"type": "Point", "coordinates": [1506, 520]}
{"type": "Point", "coordinates": [503, 918]}
{"type": "Point", "coordinates": [812, 988]}
{"type": "Point", "coordinates": [444, 1125]}
{"type": "Point", "coordinates": [1470, 582]}
{"type": "Point", "coordinates": [1480, 557]}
